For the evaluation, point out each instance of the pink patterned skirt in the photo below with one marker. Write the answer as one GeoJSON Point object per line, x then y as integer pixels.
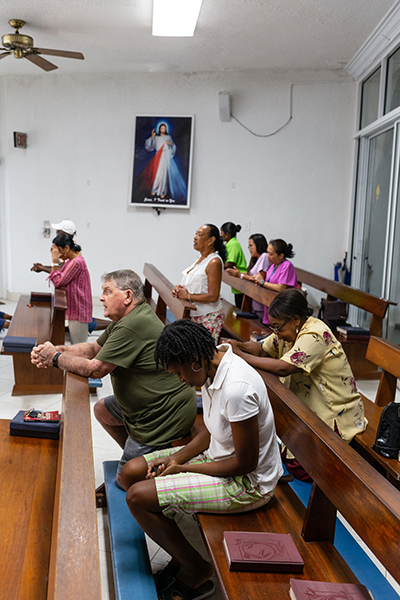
{"type": "Point", "coordinates": [213, 321]}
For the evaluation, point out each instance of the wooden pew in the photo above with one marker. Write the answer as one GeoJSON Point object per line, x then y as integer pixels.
{"type": "Point", "coordinates": [27, 483]}
{"type": "Point", "coordinates": [240, 328]}
{"type": "Point", "coordinates": [154, 279]}
{"type": "Point", "coordinates": [74, 570]}
{"type": "Point", "coordinates": [377, 307]}
{"type": "Point", "coordinates": [49, 525]}
{"type": "Point", "coordinates": [43, 320]}
{"type": "Point", "coordinates": [385, 355]}
{"type": "Point", "coordinates": [343, 482]}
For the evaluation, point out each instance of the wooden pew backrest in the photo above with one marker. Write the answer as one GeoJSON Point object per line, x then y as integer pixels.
{"type": "Point", "coordinates": [372, 304]}
{"type": "Point", "coordinates": [74, 558]}
{"type": "Point", "coordinates": [249, 289]}
{"type": "Point", "coordinates": [57, 318]}
{"type": "Point", "coordinates": [45, 321]}
{"type": "Point", "coordinates": [386, 355]}
{"type": "Point", "coordinates": [181, 309]}
{"type": "Point", "coordinates": [346, 481]}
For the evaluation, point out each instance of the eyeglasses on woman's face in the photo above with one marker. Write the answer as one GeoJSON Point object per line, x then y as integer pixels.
{"type": "Point", "coordinates": [276, 328]}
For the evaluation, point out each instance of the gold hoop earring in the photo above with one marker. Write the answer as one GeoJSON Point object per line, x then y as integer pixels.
{"type": "Point", "coordinates": [193, 369]}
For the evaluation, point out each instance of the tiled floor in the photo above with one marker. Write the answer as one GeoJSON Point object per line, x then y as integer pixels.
{"type": "Point", "coordinates": [104, 448]}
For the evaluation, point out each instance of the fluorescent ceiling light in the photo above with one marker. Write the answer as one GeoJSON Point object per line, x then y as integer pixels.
{"type": "Point", "coordinates": [175, 18]}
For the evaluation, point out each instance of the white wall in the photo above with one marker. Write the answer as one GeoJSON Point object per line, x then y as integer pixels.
{"type": "Point", "coordinates": [295, 185]}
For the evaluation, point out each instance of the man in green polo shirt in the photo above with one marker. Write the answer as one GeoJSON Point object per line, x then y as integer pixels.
{"type": "Point", "coordinates": [151, 407]}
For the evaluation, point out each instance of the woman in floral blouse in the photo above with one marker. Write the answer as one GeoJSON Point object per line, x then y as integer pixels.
{"type": "Point", "coordinates": [305, 353]}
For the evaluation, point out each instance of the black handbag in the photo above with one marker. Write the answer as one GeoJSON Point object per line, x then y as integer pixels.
{"type": "Point", "coordinates": [333, 312]}
{"type": "Point", "coordinates": [387, 442]}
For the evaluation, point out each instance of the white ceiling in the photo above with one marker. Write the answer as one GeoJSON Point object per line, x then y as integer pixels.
{"type": "Point", "coordinates": [231, 35]}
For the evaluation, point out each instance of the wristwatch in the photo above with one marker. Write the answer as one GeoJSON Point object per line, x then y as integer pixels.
{"type": "Point", "coordinates": [241, 275]}
{"type": "Point", "coordinates": [55, 359]}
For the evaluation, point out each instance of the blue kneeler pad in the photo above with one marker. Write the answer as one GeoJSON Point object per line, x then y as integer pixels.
{"type": "Point", "coordinates": [132, 572]}
{"type": "Point", "coordinates": [170, 316]}
{"type": "Point", "coordinates": [95, 383]}
{"type": "Point", "coordinates": [359, 562]}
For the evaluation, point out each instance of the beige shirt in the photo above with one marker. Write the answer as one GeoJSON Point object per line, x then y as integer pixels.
{"type": "Point", "coordinates": [326, 383]}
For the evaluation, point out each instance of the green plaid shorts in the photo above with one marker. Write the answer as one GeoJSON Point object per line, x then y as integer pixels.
{"type": "Point", "coordinates": [195, 492]}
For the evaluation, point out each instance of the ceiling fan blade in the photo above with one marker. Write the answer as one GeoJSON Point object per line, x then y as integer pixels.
{"type": "Point", "coordinates": [41, 62]}
{"type": "Point", "coordinates": [63, 53]}
{"type": "Point", "coordinates": [18, 45]}
{"type": "Point", "coordinates": [4, 54]}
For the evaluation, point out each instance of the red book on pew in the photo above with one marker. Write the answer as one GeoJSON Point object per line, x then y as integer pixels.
{"type": "Point", "coordinates": [261, 551]}
{"type": "Point", "coordinates": [44, 417]}
{"type": "Point", "coordinates": [327, 590]}
{"type": "Point", "coordinates": [42, 429]}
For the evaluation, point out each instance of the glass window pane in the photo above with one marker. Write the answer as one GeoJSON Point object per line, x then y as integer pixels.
{"type": "Point", "coordinates": [393, 333]}
{"type": "Point", "coordinates": [370, 99]}
{"type": "Point", "coordinates": [392, 99]}
{"type": "Point", "coordinates": [376, 215]}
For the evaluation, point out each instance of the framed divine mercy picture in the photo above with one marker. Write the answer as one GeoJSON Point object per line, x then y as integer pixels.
{"type": "Point", "coordinates": [162, 161]}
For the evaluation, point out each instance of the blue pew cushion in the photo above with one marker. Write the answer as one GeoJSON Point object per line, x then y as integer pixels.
{"type": "Point", "coordinates": [132, 571]}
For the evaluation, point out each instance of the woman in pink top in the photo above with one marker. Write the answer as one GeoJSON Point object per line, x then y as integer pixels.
{"type": "Point", "coordinates": [74, 276]}
{"type": "Point", "coordinates": [259, 263]}
{"type": "Point", "coordinates": [281, 274]}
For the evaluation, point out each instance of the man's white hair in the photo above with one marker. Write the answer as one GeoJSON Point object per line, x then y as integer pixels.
{"type": "Point", "coordinates": [126, 279]}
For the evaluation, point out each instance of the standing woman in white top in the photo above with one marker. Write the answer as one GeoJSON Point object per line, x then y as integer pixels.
{"type": "Point", "coordinates": [201, 282]}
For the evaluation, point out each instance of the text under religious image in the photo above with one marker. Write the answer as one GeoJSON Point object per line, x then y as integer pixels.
{"type": "Point", "coordinates": [162, 161]}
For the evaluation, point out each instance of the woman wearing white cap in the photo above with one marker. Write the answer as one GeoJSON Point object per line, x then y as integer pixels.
{"type": "Point", "coordinates": [74, 276]}
{"type": "Point", "coordinates": [67, 226]}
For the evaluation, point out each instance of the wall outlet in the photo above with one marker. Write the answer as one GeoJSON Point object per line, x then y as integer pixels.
{"type": "Point", "coordinates": [247, 225]}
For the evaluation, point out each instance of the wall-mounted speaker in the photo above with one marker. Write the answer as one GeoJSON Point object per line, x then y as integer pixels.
{"type": "Point", "coordinates": [224, 103]}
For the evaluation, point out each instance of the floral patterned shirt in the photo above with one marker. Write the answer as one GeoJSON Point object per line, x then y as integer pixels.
{"type": "Point", "coordinates": [326, 383]}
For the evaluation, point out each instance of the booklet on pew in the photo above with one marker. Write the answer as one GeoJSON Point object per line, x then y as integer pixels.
{"type": "Point", "coordinates": [327, 590]}
{"type": "Point", "coordinates": [15, 343]}
{"type": "Point", "coordinates": [244, 314]}
{"type": "Point", "coordinates": [353, 332]}
{"type": "Point", "coordinates": [261, 551]}
{"type": "Point", "coordinates": [40, 297]}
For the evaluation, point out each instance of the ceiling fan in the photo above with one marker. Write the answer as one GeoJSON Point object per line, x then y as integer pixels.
{"type": "Point", "coordinates": [22, 47]}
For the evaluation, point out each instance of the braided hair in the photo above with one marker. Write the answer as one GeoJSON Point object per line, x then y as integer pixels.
{"type": "Point", "coordinates": [184, 342]}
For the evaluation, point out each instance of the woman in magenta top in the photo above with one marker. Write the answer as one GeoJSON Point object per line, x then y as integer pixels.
{"type": "Point", "coordinates": [74, 276]}
{"type": "Point", "coordinates": [259, 263]}
{"type": "Point", "coordinates": [281, 274]}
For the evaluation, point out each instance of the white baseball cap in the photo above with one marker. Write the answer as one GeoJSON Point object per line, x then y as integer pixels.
{"type": "Point", "coordinates": [66, 225]}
